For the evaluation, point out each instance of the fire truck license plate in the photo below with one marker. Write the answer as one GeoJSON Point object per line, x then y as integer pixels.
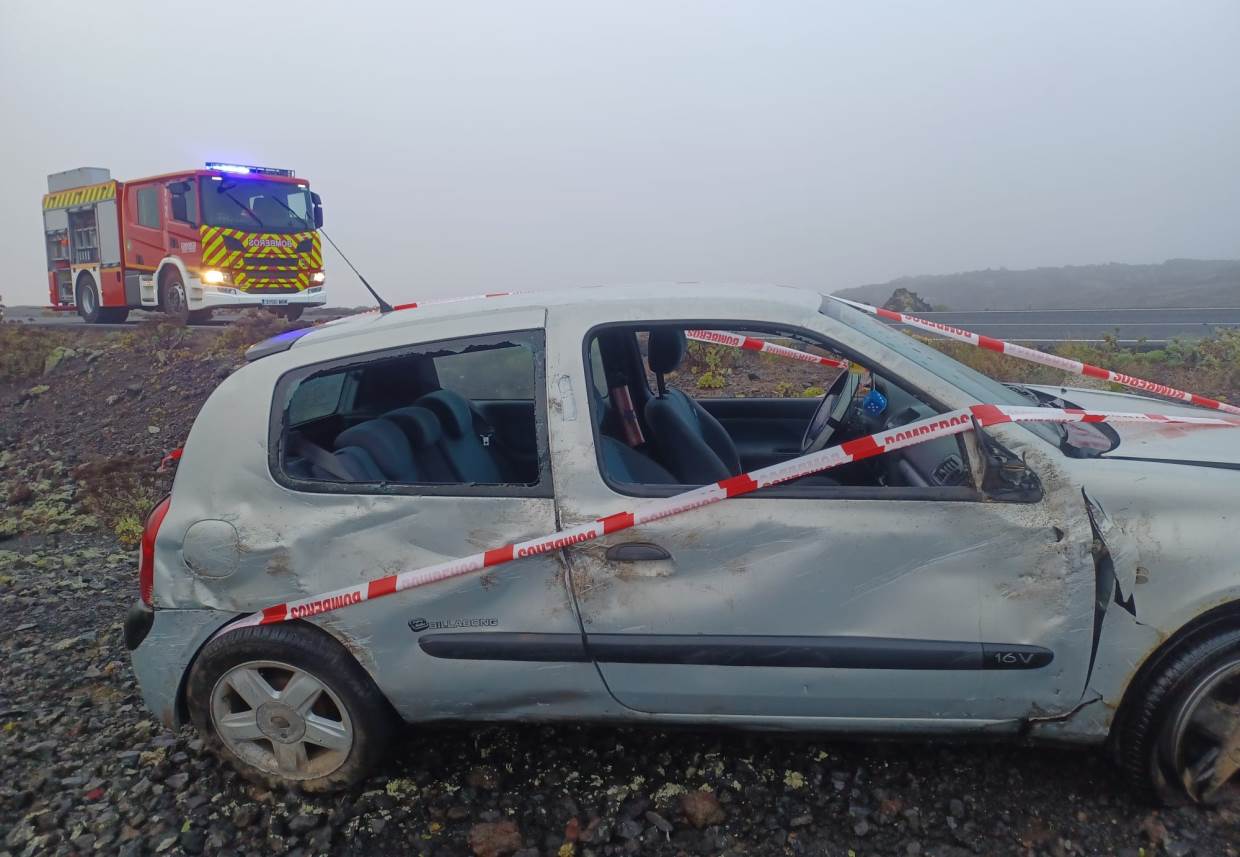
{"type": "Point", "coordinates": [275, 301]}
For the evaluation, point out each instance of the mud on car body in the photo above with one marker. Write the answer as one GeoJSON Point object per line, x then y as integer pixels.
{"type": "Point", "coordinates": [1069, 584]}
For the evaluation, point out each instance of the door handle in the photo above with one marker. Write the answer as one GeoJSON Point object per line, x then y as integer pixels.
{"type": "Point", "coordinates": [636, 552]}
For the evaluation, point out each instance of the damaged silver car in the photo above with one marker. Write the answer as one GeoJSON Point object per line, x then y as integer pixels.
{"type": "Point", "coordinates": [1072, 584]}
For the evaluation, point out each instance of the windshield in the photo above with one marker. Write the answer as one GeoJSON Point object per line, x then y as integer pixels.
{"type": "Point", "coordinates": [974, 383]}
{"type": "Point", "coordinates": [256, 205]}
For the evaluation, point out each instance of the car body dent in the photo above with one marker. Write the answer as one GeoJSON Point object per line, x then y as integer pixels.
{"type": "Point", "coordinates": [1162, 529]}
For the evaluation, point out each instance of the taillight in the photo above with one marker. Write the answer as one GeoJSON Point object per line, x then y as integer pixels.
{"type": "Point", "coordinates": [146, 554]}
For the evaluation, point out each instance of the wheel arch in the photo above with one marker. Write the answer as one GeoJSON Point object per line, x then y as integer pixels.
{"type": "Point", "coordinates": [349, 646]}
{"type": "Point", "coordinates": [1221, 617]}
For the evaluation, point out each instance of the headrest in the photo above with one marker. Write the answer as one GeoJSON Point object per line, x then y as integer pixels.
{"type": "Point", "coordinates": [385, 442]}
{"type": "Point", "coordinates": [419, 425]}
{"type": "Point", "coordinates": [665, 349]}
{"type": "Point", "coordinates": [453, 411]}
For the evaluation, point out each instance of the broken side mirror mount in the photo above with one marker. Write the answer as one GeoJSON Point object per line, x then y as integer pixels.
{"type": "Point", "coordinates": [1004, 476]}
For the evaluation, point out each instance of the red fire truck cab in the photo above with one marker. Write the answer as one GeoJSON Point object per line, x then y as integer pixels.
{"type": "Point", "coordinates": [185, 243]}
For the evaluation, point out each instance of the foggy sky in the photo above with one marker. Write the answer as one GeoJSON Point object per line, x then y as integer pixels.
{"type": "Point", "coordinates": [466, 147]}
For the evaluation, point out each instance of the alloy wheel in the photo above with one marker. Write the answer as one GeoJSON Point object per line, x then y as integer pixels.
{"type": "Point", "coordinates": [1205, 737]}
{"type": "Point", "coordinates": [282, 720]}
{"type": "Point", "coordinates": [176, 298]}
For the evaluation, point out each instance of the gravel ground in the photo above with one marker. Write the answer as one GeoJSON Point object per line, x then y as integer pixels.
{"type": "Point", "coordinates": [84, 769]}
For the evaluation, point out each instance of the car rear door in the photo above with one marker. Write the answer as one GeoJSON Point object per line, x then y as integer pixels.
{"type": "Point", "coordinates": [857, 604]}
{"type": "Point", "coordinates": [446, 649]}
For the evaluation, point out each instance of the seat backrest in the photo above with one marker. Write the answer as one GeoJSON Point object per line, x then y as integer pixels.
{"type": "Point", "coordinates": [425, 434]}
{"type": "Point", "coordinates": [471, 460]}
{"type": "Point", "coordinates": [307, 460]}
{"type": "Point", "coordinates": [690, 442]}
{"type": "Point", "coordinates": [354, 462]}
{"type": "Point", "coordinates": [384, 441]}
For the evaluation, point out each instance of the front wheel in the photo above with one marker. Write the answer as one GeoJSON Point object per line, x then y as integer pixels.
{"type": "Point", "coordinates": [289, 707]}
{"type": "Point", "coordinates": [1181, 740]}
{"type": "Point", "coordinates": [174, 298]}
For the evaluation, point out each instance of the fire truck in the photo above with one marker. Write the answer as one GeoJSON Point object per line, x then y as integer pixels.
{"type": "Point", "coordinates": [185, 243]}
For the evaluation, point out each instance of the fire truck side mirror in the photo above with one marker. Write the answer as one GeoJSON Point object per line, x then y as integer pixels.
{"type": "Point", "coordinates": [317, 202]}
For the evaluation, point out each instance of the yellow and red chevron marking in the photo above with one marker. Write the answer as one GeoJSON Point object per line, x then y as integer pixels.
{"type": "Point", "coordinates": [80, 195]}
{"type": "Point", "coordinates": [257, 252]}
{"type": "Point", "coordinates": [251, 280]}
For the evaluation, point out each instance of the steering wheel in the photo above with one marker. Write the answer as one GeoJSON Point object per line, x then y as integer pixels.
{"type": "Point", "coordinates": [830, 412]}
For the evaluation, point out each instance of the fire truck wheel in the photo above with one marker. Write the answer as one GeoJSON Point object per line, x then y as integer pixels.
{"type": "Point", "coordinates": [114, 315]}
{"type": "Point", "coordinates": [199, 316]}
{"type": "Point", "coordinates": [292, 312]}
{"type": "Point", "coordinates": [174, 299]}
{"type": "Point", "coordinates": [88, 300]}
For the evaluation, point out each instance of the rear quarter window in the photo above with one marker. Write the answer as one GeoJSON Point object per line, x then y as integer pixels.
{"type": "Point", "coordinates": [496, 373]}
{"type": "Point", "coordinates": [316, 397]}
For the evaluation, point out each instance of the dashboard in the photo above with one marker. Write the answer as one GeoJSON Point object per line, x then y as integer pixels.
{"type": "Point", "coordinates": [933, 463]}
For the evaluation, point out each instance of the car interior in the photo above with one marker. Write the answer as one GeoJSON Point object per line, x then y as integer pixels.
{"type": "Point", "coordinates": [465, 414]}
{"type": "Point", "coordinates": [452, 416]}
{"type": "Point", "coordinates": [654, 425]}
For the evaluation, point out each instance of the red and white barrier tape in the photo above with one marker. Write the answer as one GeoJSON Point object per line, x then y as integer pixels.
{"type": "Point", "coordinates": [944, 425]}
{"type": "Point", "coordinates": [434, 301]}
{"type": "Point", "coordinates": [1032, 355]}
{"type": "Point", "coordinates": [749, 343]}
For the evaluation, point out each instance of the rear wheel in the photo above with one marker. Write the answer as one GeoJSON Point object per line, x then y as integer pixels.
{"type": "Point", "coordinates": [289, 707]}
{"type": "Point", "coordinates": [88, 301]}
{"type": "Point", "coordinates": [1181, 739]}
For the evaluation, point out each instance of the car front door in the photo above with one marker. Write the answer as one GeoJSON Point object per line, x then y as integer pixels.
{"type": "Point", "coordinates": [858, 604]}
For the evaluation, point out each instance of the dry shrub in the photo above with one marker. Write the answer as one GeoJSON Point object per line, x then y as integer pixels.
{"type": "Point", "coordinates": [251, 327]}
{"type": "Point", "coordinates": [23, 350]}
{"type": "Point", "coordinates": [1208, 366]}
{"type": "Point", "coordinates": [120, 491]}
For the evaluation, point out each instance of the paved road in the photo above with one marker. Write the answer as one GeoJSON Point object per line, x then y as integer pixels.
{"type": "Point", "coordinates": [1091, 325]}
{"type": "Point", "coordinates": [47, 318]}
{"type": "Point", "coordinates": [1131, 326]}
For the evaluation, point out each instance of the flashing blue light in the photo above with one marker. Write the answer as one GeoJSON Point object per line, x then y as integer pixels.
{"type": "Point", "coordinates": [245, 170]}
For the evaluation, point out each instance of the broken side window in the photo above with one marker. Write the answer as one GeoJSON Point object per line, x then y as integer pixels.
{"type": "Point", "coordinates": [463, 413]}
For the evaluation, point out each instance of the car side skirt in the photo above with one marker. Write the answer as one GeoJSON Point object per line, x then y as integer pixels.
{"type": "Point", "coordinates": [836, 652]}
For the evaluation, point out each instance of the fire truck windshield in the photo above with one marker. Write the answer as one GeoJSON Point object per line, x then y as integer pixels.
{"type": "Point", "coordinates": [255, 205]}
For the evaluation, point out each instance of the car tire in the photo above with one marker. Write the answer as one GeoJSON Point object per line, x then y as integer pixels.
{"type": "Point", "coordinates": [174, 299]}
{"type": "Point", "coordinates": [87, 300]}
{"type": "Point", "coordinates": [316, 739]}
{"type": "Point", "coordinates": [1183, 722]}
